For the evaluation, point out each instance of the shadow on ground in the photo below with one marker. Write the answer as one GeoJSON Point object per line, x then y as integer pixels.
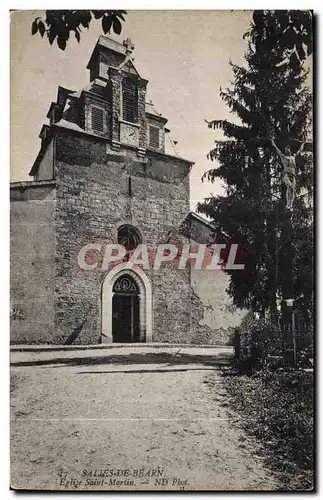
{"type": "Point", "coordinates": [135, 358]}
{"type": "Point", "coordinates": [154, 370]}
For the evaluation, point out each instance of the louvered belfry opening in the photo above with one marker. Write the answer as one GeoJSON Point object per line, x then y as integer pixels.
{"type": "Point", "coordinates": [129, 100]}
{"type": "Point", "coordinates": [97, 119]}
{"type": "Point", "coordinates": [154, 137]}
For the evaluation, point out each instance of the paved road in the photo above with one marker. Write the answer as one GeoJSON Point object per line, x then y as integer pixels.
{"type": "Point", "coordinates": [150, 423]}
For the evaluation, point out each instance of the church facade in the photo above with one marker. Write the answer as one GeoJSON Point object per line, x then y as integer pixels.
{"type": "Point", "coordinates": [102, 177]}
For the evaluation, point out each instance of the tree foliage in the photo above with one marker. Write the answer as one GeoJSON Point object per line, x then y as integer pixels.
{"type": "Point", "coordinates": [59, 24]}
{"type": "Point", "coordinates": [268, 96]}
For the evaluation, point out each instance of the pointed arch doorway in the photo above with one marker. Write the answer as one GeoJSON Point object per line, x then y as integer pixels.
{"type": "Point", "coordinates": [125, 310]}
{"type": "Point", "coordinates": [126, 306]}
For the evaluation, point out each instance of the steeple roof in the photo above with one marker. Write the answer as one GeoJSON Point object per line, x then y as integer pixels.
{"type": "Point", "coordinates": [107, 43]}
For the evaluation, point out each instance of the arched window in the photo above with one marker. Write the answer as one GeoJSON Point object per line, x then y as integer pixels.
{"type": "Point", "coordinates": [129, 237]}
{"type": "Point", "coordinates": [129, 100]}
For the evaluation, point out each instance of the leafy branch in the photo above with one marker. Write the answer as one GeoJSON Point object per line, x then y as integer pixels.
{"type": "Point", "coordinates": [59, 24]}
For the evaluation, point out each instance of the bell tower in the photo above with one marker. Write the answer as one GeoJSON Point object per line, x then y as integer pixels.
{"type": "Point", "coordinates": [112, 106]}
{"type": "Point", "coordinates": [112, 63]}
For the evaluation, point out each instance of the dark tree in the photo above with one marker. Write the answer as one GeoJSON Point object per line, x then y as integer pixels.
{"type": "Point", "coordinates": [268, 97]}
{"type": "Point", "coordinates": [59, 24]}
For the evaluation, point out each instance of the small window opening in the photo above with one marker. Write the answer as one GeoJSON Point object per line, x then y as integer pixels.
{"type": "Point", "coordinates": [97, 119]}
{"type": "Point", "coordinates": [129, 237]}
{"type": "Point", "coordinates": [154, 137]}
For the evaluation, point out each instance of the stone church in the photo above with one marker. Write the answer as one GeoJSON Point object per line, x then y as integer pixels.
{"type": "Point", "coordinates": [102, 176]}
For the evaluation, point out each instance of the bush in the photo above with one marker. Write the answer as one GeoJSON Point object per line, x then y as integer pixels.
{"type": "Point", "coordinates": [277, 408]}
{"type": "Point", "coordinates": [259, 345]}
{"type": "Point", "coordinates": [306, 357]}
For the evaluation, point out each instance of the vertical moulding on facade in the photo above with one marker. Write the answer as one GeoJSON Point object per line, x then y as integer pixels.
{"type": "Point", "coordinates": [116, 80]}
{"type": "Point", "coordinates": [142, 86]}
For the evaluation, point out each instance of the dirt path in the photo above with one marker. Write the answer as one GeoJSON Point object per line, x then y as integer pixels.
{"type": "Point", "coordinates": [117, 426]}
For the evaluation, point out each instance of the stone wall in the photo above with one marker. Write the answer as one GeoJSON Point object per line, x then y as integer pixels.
{"type": "Point", "coordinates": [32, 254]}
{"type": "Point", "coordinates": [92, 201]}
{"type": "Point", "coordinates": [46, 165]}
{"type": "Point", "coordinates": [53, 300]}
{"type": "Point", "coordinates": [219, 313]}
{"type": "Point", "coordinates": [210, 286]}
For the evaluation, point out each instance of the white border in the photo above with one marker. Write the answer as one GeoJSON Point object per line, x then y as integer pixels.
{"type": "Point", "coordinates": [134, 4]}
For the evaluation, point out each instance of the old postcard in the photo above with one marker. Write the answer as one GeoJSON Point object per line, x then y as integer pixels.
{"type": "Point", "coordinates": [162, 294]}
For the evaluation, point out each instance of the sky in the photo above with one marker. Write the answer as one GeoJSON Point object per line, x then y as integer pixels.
{"type": "Point", "coordinates": [184, 55]}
